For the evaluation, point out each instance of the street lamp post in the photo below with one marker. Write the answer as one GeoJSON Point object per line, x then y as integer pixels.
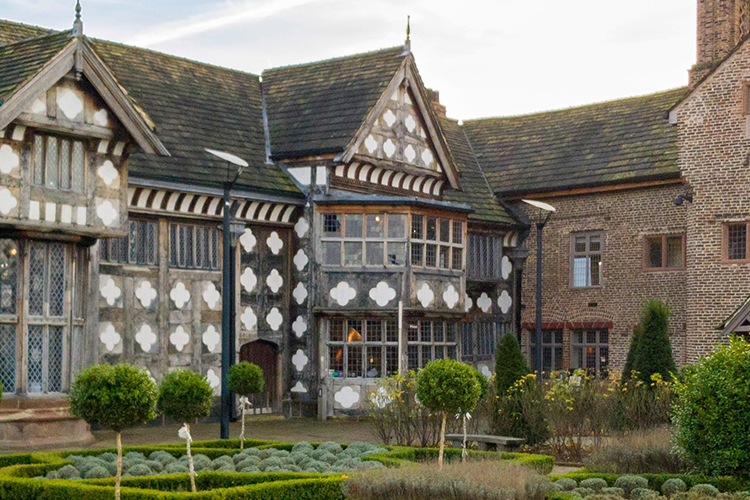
{"type": "Point", "coordinates": [231, 232]}
{"type": "Point", "coordinates": [545, 211]}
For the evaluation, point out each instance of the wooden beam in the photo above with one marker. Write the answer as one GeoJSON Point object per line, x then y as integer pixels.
{"type": "Point", "coordinates": [79, 129]}
{"type": "Point", "coordinates": [594, 189]}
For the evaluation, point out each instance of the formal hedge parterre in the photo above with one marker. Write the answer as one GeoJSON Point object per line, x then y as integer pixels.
{"type": "Point", "coordinates": [19, 474]}
{"type": "Point", "coordinates": [656, 481]}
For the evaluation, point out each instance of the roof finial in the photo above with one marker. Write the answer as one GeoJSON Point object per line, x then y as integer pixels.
{"type": "Point", "coordinates": [78, 24]}
{"type": "Point", "coordinates": [407, 42]}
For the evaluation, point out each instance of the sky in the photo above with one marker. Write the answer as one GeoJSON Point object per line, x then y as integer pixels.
{"type": "Point", "coordinates": [485, 57]}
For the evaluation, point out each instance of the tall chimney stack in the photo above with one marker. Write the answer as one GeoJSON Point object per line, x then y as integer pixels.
{"type": "Point", "coordinates": [722, 24]}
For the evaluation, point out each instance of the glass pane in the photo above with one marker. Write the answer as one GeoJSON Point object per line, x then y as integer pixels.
{"type": "Point", "coordinates": [397, 226]}
{"type": "Point", "coordinates": [737, 242]}
{"type": "Point", "coordinates": [450, 332]}
{"type": "Point", "coordinates": [376, 226]}
{"type": "Point", "coordinates": [391, 360]}
{"type": "Point", "coordinates": [445, 257]}
{"type": "Point", "coordinates": [413, 332]}
{"type": "Point", "coordinates": [546, 337]}
{"type": "Point", "coordinates": [64, 164]}
{"type": "Point", "coordinates": [430, 259]}
{"type": "Point", "coordinates": [596, 269]}
{"type": "Point", "coordinates": [56, 280]}
{"type": "Point", "coordinates": [332, 253]}
{"type": "Point", "coordinates": [78, 168]}
{"type": "Point", "coordinates": [458, 232]}
{"type": "Point", "coordinates": [8, 357]}
{"type": "Point", "coordinates": [604, 337]}
{"type": "Point", "coordinates": [354, 330]}
{"type": "Point", "coordinates": [374, 331]}
{"type": "Point", "coordinates": [353, 253]}
{"type": "Point", "coordinates": [412, 353]}
{"type": "Point", "coordinates": [417, 227]}
{"type": "Point", "coordinates": [558, 358]}
{"type": "Point", "coordinates": [353, 226]}
{"type": "Point", "coordinates": [374, 254]}
{"type": "Point", "coordinates": [173, 245]}
{"type": "Point", "coordinates": [439, 331]}
{"type": "Point", "coordinates": [445, 230]}
{"type": "Point", "coordinates": [374, 361]}
{"type": "Point", "coordinates": [51, 162]}
{"type": "Point", "coordinates": [133, 242]}
{"type": "Point", "coordinates": [580, 244]}
{"type": "Point", "coordinates": [425, 329]}
{"type": "Point", "coordinates": [577, 337]}
{"type": "Point", "coordinates": [558, 337]}
{"type": "Point", "coordinates": [8, 276]}
{"type": "Point", "coordinates": [547, 359]}
{"type": "Point", "coordinates": [603, 362]}
{"type": "Point", "coordinates": [426, 355]}
{"type": "Point", "coordinates": [431, 233]}
{"type": "Point", "coordinates": [354, 361]}
{"type": "Point", "coordinates": [467, 340]}
{"type": "Point", "coordinates": [152, 244]}
{"type": "Point", "coordinates": [439, 351]}
{"type": "Point", "coordinates": [199, 263]}
{"type": "Point", "coordinates": [590, 358]}
{"type": "Point", "coordinates": [396, 254]}
{"type": "Point", "coordinates": [580, 272]}
{"type": "Point", "coordinates": [576, 357]}
{"type": "Point", "coordinates": [181, 246]}
{"type": "Point", "coordinates": [336, 330]}
{"type": "Point", "coordinates": [591, 337]}
{"type": "Point", "coordinates": [458, 258]}
{"type": "Point", "coordinates": [55, 359]}
{"type": "Point", "coordinates": [38, 178]}
{"type": "Point", "coordinates": [35, 358]}
{"type": "Point", "coordinates": [451, 352]}
{"type": "Point", "coordinates": [331, 225]}
{"type": "Point", "coordinates": [190, 247]}
{"type": "Point", "coordinates": [37, 272]}
{"type": "Point", "coordinates": [417, 249]}
{"type": "Point", "coordinates": [391, 331]}
{"type": "Point", "coordinates": [595, 243]}
{"type": "Point", "coordinates": [336, 361]}
{"type": "Point", "coordinates": [674, 252]}
{"type": "Point", "coordinates": [654, 253]}
{"type": "Point", "coordinates": [214, 249]}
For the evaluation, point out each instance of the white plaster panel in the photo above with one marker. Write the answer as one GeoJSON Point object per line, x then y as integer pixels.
{"type": "Point", "coordinates": [300, 293]}
{"type": "Point", "coordinates": [347, 397]}
{"type": "Point", "coordinates": [484, 302]}
{"type": "Point", "coordinates": [504, 301]}
{"type": "Point", "coordinates": [179, 338]}
{"type": "Point", "coordinates": [211, 295]}
{"type": "Point", "coordinates": [9, 159]}
{"type": "Point", "coordinates": [100, 117]}
{"type": "Point", "coordinates": [248, 240]}
{"type": "Point", "coordinates": [274, 319]}
{"type": "Point", "coordinates": [248, 280]}
{"type": "Point", "coordinates": [145, 293]}
{"type": "Point", "coordinates": [425, 295]}
{"type": "Point", "coordinates": [50, 212]}
{"type": "Point", "coordinates": [300, 260]}
{"type": "Point", "coordinates": [109, 290]}
{"type": "Point", "coordinates": [468, 303]}
{"type": "Point", "coordinates": [8, 202]}
{"type": "Point", "coordinates": [299, 360]}
{"type": "Point", "coordinates": [81, 216]}
{"type": "Point", "coordinates": [108, 212]}
{"type": "Point", "coordinates": [301, 227]}
{"type": "Point", "coordinates": [180, 295]}
{"type": "Point", "coordinates": [108, 173]}
{"type": "Point", "coordinates": [111, 339]}
{"type": "Point", "coordinates": [69, 103]}
{"type": "Point", "coordinates": [343, 293]}
{"type": "Point", "coordinates": [299, 327]}
{"type": "Point", "coordinates": [145, 337]}
{"type": "Point", "coordinates": [382, 294]}
{"type": "Point", "coordinates": [66, 214]}
{"type": "Point", "coordinates": [212, 339]}
{"type": "Point", "coordinates": [249, 319]}
{"type": "Point", "coordinates": [34, 210]}
{"type": "Point", "coordinates": [506, 267]}
{"type": "Point", "coordinates": [274, 243]}
{"type": "Point", "coordinates": [450, 297]}
{"type": "Point", "coordinates": [299, 388]}
{"type": "Point", "coordinates": [274, 281]}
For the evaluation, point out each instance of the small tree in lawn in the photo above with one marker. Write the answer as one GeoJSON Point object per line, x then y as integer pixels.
{"type": "Point", "coordinates": [116, 397]}
{"type": "Point", "coordinates": [184, 396]}
{"type": "Point", "coordinates": [447, 386]}
{"type": "Point", "coordinates": [650, 350]}
{"type": "Point", "coordinates": [245, 379]}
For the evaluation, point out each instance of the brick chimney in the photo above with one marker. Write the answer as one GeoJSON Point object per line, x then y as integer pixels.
{"type": "Point", "coordinates": [722, 24]}
{"type": "Point", "coordinates": [434, 97]}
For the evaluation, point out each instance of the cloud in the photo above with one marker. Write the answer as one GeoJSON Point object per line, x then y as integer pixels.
{"type": "Point", "coordinates": [233, 14]}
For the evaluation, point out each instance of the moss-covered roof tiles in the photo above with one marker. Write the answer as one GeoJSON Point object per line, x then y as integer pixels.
{"type": "Point", "coordinates": [626, 140]}
{"type": "Point", "coordinates": [318, 107]}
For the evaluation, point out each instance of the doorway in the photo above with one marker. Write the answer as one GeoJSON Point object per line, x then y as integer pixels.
{"type": "Point", "coordinates": [264, 354]}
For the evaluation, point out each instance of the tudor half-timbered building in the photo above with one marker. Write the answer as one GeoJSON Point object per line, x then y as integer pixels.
{"type": "Point", "coordinates": [372, 240]}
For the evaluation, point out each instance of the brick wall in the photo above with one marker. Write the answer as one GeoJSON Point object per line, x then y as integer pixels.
{"type": "Point", "coordinates": [721, 25]}
{"type": "Point", "coordinates": [713, 157]}
{"type": "Point", "coordinates": [624, 217]}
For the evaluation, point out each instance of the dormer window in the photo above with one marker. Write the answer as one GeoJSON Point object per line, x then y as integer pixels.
{"type": "Point", "coordinates": [58, 163]}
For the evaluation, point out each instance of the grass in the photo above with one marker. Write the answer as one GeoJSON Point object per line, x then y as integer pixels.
{"type": "Point", "coordinates": [642, 452]}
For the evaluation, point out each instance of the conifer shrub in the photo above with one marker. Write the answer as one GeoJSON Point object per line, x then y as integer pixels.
{"type": "Point", "coordinates": [712, 412]}
{"type": "Point", "coordinates": [510, 365]}
{"type": "Point", "coordinates": [650, 349]}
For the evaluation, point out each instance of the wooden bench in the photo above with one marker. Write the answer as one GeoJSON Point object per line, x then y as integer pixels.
{"type": "Point", "coordinates": [486, 443]}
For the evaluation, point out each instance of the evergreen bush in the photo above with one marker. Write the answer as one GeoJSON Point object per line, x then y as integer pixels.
{"type": "Point", "coordinates": [510, 365]}
{"type": "Point", "coordinates": [650, 349]}
{"type": "Point", "coordinates": [116, 397]}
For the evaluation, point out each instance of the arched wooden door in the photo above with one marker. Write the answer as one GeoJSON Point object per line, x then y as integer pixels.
{"type": "Point", "coordinates": [264, 354]}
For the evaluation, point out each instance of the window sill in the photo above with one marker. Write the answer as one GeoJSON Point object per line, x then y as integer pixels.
{"type": "Point", "coordinates": [662, 269]}
{"type": "Point", "coordinates": [592, 287]}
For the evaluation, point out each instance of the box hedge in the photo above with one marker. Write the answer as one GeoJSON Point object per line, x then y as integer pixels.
{"type": "Point", "coordinates": [656, 481]}
{"type": "Point", "coordinates": [18, 473]}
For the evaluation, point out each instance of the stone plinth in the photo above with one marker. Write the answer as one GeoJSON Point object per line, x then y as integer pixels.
{"type": "Point", "coordinates": [40, 422]}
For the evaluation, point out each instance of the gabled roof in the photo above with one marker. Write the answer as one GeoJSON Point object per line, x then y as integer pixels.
{"type": "Point", "coordinates": [317, 108]}
{"type": "Point", "coordinates": [193, 106]}
{"type": "Point", "coordinates": [475, 191]}
{"type": "Point", "coordinates": [11, 31]}
{"type": "Point", "coordinates": [21, 60]}
{"type": "Point", "coordinates": [627, 140]}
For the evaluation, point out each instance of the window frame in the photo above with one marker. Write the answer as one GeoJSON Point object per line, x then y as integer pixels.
{"type": "Point", "coordinates": [59, 139]}
{"type": "Point", "coordinates": [419, 344]}
{"type": "Point", "coordinates": [125, 249]}
{"type": "Point", "coordinates": [342, 239]}
{"type": "Point", "coordinates": [725, 243]}
{"type": "Point", "coordinates": [384, 343]}
{"type": "Point", "coordinates": [587, 253]}
{"type": "Point", "coordinates": [214, 246]}
{"type": "Point", "coordinates": [664, 249]}
{"type": "Point", "coordinates": [550, 347]}
{"type": "Point", "coordinates": [452, 243]}
{"type": "Point", "coordinates": [597, 346]}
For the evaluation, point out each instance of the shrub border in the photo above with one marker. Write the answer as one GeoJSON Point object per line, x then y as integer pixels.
{"type": "Point", "coordinates": [655, 481]}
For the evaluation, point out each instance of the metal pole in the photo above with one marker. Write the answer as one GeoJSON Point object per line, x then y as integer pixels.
{"type": "Point", "coordinates": [539, 227]}
{"type": "Point", "coordinates": [400, 335]}
{"type": "Point", "coordinates": [232, 319]}
{"type": "Point", "coordinates": [226, 334]}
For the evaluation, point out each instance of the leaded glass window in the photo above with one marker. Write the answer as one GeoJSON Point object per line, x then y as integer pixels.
{"type": "Point", "coordinates": [58, 163]}
{"type": "Point", "coordinates": [194, 247]}
{"type": "Point", "coordinates": [430, 341]}
{"type": "Point", "coordinates": [362, 348]}
{"type": "Point", "coordinates": [8, 357]}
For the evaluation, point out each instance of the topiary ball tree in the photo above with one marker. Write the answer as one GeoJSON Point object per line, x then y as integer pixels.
{"type": "Point", "coordinates": [184, 396]}
{"type": "Point", "coordinates": [116, 397]}
{"type": "Point", "coordinates": [510, 365]}
{"type": "Point", "coordinates": [712, 412]}
{"type": "Point", "coordinates": [447, 387]}
{"type": "Point", "coordinates": [245, 379]}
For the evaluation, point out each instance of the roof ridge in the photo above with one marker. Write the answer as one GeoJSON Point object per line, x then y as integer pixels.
{"type": "Point", "coordinates": [582, 106]}
{"type": "Point", "coordinates": [336, 58]}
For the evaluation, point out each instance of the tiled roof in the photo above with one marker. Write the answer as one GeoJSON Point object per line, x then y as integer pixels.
{"type": "Point", "coordinates": [193, 105]}
{"type": "Point", "coordinates": [612, 142]}
{"type": "Point", "coordinates": [475, 190]}
{"type": "Point", "coordinates": [317, 108]}
{"type": "Point", "coordinates": [11, 32]}
{"type": "Point", "coordinates": [20, 61]}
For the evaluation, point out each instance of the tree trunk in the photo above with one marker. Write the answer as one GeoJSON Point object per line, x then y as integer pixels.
{"type": "Point", "coordinates": [191, 468]}
{"type": "Point", "coordinates": [442, 441]}
{"type": "Point", "coordinates": [243, 402]}
{"type": "Point", "coordinates": [464, 453]}
{"type": "Point", "coordinates": [119, 466]}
